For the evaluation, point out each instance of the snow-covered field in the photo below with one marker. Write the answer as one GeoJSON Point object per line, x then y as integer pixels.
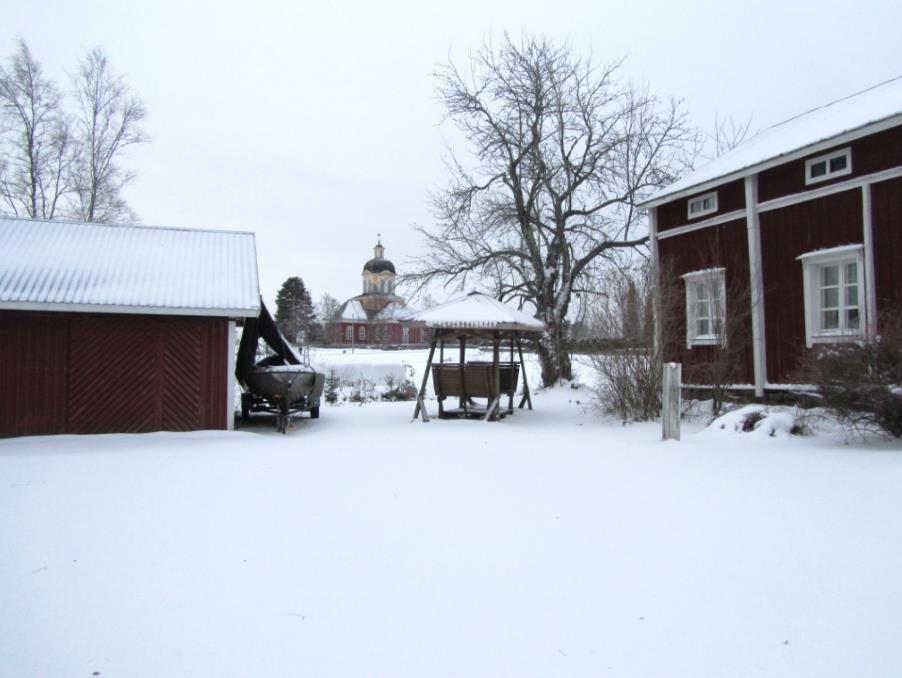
{"type": "Point", "coordinates": [552, 543]}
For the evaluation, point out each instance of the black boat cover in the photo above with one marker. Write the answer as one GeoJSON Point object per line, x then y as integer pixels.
{"type": "Point", "coordinates": [262, 327]}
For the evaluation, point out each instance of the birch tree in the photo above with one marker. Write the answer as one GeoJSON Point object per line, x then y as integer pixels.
{"type": "Point", "coordinates": [38, 150]}
{"type": "Point", "coordinates": [560, 152]}
{"type": "Point", "coordinates": [109, 118]}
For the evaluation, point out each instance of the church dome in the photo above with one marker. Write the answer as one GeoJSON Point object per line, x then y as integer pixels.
{"type": "Point", "coordinates": [378, 265]}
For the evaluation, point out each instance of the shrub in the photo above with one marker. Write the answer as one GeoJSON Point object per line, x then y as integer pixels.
{"type": "Point", "coordinates": [332, 387]}
{"type": "Point", "coordinates": [398, 390]}
{"type": "Point", "coordinates": [629, 384]}
{"type": "Point", "coordinates": [860, 383]}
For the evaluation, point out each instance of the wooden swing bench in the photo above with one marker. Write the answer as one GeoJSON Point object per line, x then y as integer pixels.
{"type": "Point", "coordinates": [467, 381]}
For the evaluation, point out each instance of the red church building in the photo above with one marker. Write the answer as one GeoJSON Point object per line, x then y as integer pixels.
{"type": "Point", "coordinates": [377, 316]}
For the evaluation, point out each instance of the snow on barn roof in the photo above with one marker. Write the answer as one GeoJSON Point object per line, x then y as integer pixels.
{"type": "Point", "coordinates": [858, 111]}
{"type": "Point", "coordinates": [478, 311]}
{"type": "Point", "coordinates": [65, 265]}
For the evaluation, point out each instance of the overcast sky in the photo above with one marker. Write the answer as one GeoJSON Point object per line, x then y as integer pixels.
{"type": "Point", "coordinates": [314, 124]}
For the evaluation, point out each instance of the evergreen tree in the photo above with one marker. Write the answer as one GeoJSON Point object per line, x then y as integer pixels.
{"type": "Point", "coordinates": [631, 323]}
{"type": "Point", "coordinates": [295, 316]}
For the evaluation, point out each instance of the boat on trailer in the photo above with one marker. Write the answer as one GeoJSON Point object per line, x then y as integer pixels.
{"type": "Point", "coordinates": [280, 383]}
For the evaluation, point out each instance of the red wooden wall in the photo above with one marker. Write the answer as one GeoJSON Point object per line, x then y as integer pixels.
{"type": "Point", "coordinates": [730, 197]}
{"type": "Point", "coordinates": [723, 246]}
{"type": "Point", "coordinates": [785, 234]}
{"type": "Point", "coordinates": [886, 208]}
{"type": "Point", "coordinates": [74, 373]}
{"type": "Point", "coordinates": [870, 154]}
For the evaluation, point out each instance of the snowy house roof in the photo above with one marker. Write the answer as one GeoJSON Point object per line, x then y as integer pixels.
{"type": "Point", "coordinates": [854, 115]}
{"type": "Point", "coordinates": [478, 311]}
{"type": "Point", "coordinates": [64, 265]}
{"type": "Point", "coordinates": [395, 310]}
{"type": "Point", "coordinates": [352, 309]}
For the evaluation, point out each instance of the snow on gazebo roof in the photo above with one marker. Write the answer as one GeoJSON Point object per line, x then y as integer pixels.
{"type": "Point", "coordinates": [478, 312]}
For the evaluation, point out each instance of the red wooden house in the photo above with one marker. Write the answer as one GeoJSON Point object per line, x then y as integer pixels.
{"type": "Point", "coordinates": [109, 329]}
{"type": "Point", "coordinates": [792, 239]}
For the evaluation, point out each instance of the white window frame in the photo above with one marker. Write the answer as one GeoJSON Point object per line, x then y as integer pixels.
{"type": "Point", "coordinates": [826, 158]}
{"type": "Point", "coordinates": [714, 280]}
{"type": "Point", "coordinates": [712, 196]}
{"type": "Point", "coordinates": [349, 333]}
{"type": "Point", "coordinates": [361, 333]}
{"type": "Point", "coordinates": [813, 264]}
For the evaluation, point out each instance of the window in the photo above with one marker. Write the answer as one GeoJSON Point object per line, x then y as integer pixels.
{"type": "Point", "coordinates": [703, 204]}
{"type": "Point", "coordinates": [705, 307]}
{"type": "Point", "coordinates": [833, 282]}
{"type": "Point", "coordinates": [361, 333]}
{"type": "Point", "coordinates": [828, 166]}
{"type": "Point", "coordinates": [349, 333]}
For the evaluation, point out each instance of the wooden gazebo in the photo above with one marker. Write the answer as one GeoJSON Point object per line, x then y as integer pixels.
{"type": "Point", "coordinates": [462, 320]}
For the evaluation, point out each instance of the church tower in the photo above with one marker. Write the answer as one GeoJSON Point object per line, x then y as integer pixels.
{"type": "Point", "coordinates": [378, 280]}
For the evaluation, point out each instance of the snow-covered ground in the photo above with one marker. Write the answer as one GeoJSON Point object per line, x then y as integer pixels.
{"type": "Point", "coordinates": [552, 543]}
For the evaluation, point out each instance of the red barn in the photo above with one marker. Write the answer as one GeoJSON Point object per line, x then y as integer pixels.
{"type": "Point", "coordinates": [109, 329]}
{"type": "Point", "coordinates": [795, 235]}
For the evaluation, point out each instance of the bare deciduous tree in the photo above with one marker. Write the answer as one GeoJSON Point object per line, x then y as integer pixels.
{"type": "Point", "coordinates": [561, 153]}
{"type": "Point", "coordinates": [38, 146]}
{"type": "Point", "coordinates": [108, 121]}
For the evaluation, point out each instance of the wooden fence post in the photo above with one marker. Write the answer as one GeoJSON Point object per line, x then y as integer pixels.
{"type": "Point", "coordinates": [670, 416]}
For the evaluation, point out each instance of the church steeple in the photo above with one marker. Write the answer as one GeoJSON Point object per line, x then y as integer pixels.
{"type": "Point", "coordinates": [379, 250]}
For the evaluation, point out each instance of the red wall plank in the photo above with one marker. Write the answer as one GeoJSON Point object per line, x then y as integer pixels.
{"type": "Point", "coordinates": [33, 373]}
{"type": "Point", "coordinates": [886, 210]}
{"type": "Point", "coordinates": [785, 234]}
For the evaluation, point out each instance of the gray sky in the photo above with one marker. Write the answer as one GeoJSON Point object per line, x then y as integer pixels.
{"type": "Point", "coordinates": [314, 125]}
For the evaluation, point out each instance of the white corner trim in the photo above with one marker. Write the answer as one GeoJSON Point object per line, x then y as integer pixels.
{"type": "Point", "coordinates": [230, 376]}
{"type": "Point", "coordinates": [756, 285]}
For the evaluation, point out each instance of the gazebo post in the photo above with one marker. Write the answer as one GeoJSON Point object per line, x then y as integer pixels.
{"type": "Point", "coordinates": [462, 401]}
{"type": "Point", "coordinates": [510, 398]}
{"type": "Point", "coordinates": [526, 397]}
{"type": "Point", "coordinates": [421, 404]}
{"type": "Point", "coordinates": [492, 413]}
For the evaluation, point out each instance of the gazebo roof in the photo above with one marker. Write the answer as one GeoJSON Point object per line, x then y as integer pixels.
{"type": "Point", "coordinates": [476, 311]}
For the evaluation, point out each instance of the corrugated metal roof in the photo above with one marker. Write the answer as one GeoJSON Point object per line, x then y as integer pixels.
{"type": "Point", "coordinates": [881, 102]}
{"type": "Point", "coordinates": [63, 265]}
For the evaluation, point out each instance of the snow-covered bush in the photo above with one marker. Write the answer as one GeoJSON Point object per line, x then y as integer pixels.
{"type": "Point", "coordinates": [860, 383]}
{"type": "Point", "coordinates": [395, 390]}
{"type": "Point", "coordinates": [761, 421]}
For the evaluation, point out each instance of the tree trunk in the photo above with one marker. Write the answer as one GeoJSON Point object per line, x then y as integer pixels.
{"type": "Point", "coordinates": [554, 356]}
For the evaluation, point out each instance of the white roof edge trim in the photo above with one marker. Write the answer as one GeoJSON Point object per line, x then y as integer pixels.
{"type": "Point", "coordinates": [830, 252]}
{"type": "Point", "coordinates": [790, 156]}
{"type": "Point", "coordinates": [130, 310]}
